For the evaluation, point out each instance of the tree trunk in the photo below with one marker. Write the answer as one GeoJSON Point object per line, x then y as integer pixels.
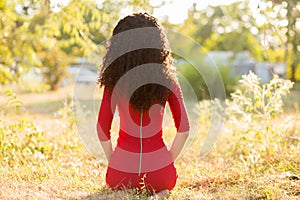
{"type": "Point", "coordinates": [291, 39]}
{"type": "Point", "coordinates": [293, 71]}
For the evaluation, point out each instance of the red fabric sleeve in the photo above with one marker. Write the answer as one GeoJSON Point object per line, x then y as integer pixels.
{"type": "Point", "coordinates": [106, 114]}
{"type": "Point", "coordinates": [178, 109]}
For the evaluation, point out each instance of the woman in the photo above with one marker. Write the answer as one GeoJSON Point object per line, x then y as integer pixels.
{"type": "Point", "coordinates": [138, 80]}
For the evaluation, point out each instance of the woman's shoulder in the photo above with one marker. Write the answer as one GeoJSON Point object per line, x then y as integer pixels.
{"type": "Point", "coordinates": [175, 86]}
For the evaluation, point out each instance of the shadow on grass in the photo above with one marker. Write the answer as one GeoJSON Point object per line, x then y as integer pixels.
{"type": "Point", "coordinates": [103, 193]}
{"type": "Point", "coordinates": [107, 193]}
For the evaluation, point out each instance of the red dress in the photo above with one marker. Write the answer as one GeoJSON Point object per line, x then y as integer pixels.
{"type": "Point", "coordinates": [141, 159]}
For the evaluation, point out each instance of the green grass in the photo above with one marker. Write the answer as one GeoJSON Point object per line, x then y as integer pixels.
{"type": "Point", "coordinates": [57, 166]}
{"type": "Point", "coordinates": [296, 86]}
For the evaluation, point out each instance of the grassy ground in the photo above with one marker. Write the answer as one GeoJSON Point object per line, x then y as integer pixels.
{"type": "Point", "coordinates": [42, 158]}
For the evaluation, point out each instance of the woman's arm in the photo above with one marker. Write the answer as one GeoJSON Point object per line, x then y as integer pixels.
{"type": "Point", "coordinates": [107, 148]}
{"type": "Point", "coordinates": [105, 118]}
{"type": "Point", "coordinates": [178, 144]}
{"type": "Point", "coordinates": [180, 117]}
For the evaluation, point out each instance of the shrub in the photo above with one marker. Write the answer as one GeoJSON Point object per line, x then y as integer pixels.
{"type": "Point", "coordinates": [21, 142]}
{"type": "Point", "coordinates": [251, 113]}
{"type": "Point", "coordinates": [11, 103]}
{"type": "Point", "coordinates": [253, 136]}
{"type": "Point", "coordinates": [254, 101]}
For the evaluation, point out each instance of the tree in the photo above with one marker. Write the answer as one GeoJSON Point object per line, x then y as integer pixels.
{"type": "Point", "coordinates": [76, 31]}
{"type": "Point", "coordinates": [56, 62]}
{"type": "Point", "coordinates": [224, 28]}
{"type": "Point", "coordinates": [219, 28]}
{"type": "Point", "coordinates": [282, 18]}
{"type": "Point", "coordinates": [33, 34]}
{"type": "Point", "coordinates": [72, 32]}
{"type": "Point", "coordinates": [16, 51]}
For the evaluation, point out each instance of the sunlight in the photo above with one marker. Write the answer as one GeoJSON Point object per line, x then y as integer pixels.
{"type": "Point", "coordinates": [175, 10]}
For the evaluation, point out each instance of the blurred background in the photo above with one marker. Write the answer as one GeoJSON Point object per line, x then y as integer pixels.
{"type": "Point", "coordinates": [44, 42]}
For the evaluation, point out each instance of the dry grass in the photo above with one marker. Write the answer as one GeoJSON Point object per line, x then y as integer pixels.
{"type": "Point", "coordinates": [67, 171]}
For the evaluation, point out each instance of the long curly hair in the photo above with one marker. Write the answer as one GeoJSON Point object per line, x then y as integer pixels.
{"type": "Point", "coordinates": [115, 66]}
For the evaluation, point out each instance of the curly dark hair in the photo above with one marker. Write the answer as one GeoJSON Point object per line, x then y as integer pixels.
{"type": "Point", "coordinates": [158, 54]}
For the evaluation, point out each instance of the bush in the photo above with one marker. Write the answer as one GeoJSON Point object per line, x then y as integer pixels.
{"type": "Point", "coordinates": [197, 81]}
{"type": "Point", "coordinates": [5, 75]}
{"type": "Point", "coordinates": [251, 113]}
{"type": "Point", "coordinates": [254, 101]}
{"type": "Point", "coordinates": [21, 142]}
{"type": "Point", "coordinates": [11, 103]}
{"type": "Point", "coordinates": [254, 135]}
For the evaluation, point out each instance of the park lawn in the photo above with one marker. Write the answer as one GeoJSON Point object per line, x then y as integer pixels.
{"type": "Point", "coordinates": [57, 166]}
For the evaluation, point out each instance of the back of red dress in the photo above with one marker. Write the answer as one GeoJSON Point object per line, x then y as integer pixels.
{"type": "Point", "coordinates": [140, 150]}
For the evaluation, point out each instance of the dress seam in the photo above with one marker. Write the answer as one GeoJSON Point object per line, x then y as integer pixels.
{"type": "Point", "coordinates": [141, 142]}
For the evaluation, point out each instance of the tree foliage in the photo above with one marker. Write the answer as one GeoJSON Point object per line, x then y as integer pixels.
{"type": "Point", "coordinates": [224, 28]}
{"type": "Point", "coordinates": [72, 32]}
{"type": "Point", "coordinates": [282, 26]}
{"type": "Point", "coordinates": [16, 50]}
{"type": "Point", "coordinates": [35, 33]}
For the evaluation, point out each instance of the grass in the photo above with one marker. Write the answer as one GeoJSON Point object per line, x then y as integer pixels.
{"type": "Point", "coordinates": [292, 102]}
{"type": "Point", "coordinates": [46, 160]}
